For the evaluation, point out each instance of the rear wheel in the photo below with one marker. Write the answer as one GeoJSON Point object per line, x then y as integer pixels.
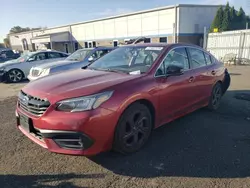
{"type": "Point", "coordinates": [133, 129]}
{"type": "Point", "coordinates": [15, 75]}
{"type": "Point", "coordinates": [215, 98]}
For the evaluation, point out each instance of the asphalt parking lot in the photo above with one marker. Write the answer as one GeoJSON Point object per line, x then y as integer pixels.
{"type": "Point", "coordinates": [204, 149]}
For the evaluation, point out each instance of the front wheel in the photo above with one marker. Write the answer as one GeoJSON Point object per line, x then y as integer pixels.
{"type": "Point", "coordinates": [215, 98]}
{"type": "Point", "coordinates": [133, 129]}
{"type": "Point", "coordinates": [15, 75]}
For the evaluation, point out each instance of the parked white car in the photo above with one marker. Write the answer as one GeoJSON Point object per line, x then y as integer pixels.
{"type": "Point", "coordinates": [18, 69]}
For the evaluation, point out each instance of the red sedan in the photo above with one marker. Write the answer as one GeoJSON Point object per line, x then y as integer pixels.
{"type": "Point", "coordinates": [117, 101]}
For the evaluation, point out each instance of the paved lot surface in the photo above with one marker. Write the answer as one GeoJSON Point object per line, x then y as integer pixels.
{"type": "Point", "coordinates": [202, 150]}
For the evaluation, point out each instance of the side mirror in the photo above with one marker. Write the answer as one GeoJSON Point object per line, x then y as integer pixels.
{"type": "Point", "coordinates": [174, 70]}
{"type": "Point", "coordinates": [31, 59]}
{"type": "Point", "coordinates": [90, 59]}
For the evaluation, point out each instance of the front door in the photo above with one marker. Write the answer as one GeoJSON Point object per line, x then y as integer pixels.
{"type": "Point", "coordinates": [177, 93]}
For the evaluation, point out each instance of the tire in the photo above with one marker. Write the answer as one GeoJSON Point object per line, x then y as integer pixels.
{"type": "Point", "coordinates": [215, 98]}
{"type": "Point", "coordinates": [14, 76]}
{"type": "Point", "coordinates": [133, 129]}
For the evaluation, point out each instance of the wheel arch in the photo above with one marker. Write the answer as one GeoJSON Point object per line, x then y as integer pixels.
{"type": "Point", "coordinates": [145, 102]}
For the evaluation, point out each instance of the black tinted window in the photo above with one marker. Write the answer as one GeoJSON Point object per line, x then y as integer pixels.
{"type": "Point", "coordinates": [197, 58]}
{"type": "Point", "coordinates": [208, 59]}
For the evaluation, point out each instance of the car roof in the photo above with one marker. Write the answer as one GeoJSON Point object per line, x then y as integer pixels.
{"type": "Point", "coordinates": [162, 45]}
{"type": "Point", "coordinates": [49, 51]}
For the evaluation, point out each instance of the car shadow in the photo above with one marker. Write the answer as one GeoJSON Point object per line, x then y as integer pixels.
{"type": "Point", "coordinates": [41, 181]}
{"type": "Point", "coordinates": [201, 144]}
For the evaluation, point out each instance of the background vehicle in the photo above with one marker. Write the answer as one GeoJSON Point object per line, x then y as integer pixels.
{"type": "Point", "coordinates": [18, 69]}
{"type": "Point", "coordinates": [78, 59]}
{"type": "Point", "coordinates": [120, 98]}
{"type": "Point", "coordinates": [7, 54]}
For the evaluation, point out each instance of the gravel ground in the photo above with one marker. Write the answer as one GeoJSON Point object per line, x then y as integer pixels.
{"type": "Point", "coordinates": [201, 150]}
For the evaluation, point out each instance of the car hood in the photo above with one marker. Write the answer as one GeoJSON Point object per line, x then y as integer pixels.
{"type": "Point", "coordinates": [6, 63]}
{"type": "Point", "coordinates": [75, 83]}
{"type": "Point", "coordinates": [55, 64]}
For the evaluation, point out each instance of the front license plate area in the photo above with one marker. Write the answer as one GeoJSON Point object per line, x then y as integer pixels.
{"type": "Point", "coordinates": [24, 122]}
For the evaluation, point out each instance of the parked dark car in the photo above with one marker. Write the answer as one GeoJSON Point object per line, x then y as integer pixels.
{"type": "Point", "coordinates": [120, 98]}
{"type": "Point", "coordinates": [7, 54]}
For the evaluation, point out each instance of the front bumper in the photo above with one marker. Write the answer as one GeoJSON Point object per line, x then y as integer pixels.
{"type": "Point", "coordinates": [85, 133]}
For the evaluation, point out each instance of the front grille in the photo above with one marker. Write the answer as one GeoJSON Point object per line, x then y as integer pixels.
{"type": "Point", "coordinates": [35, 72]}
{"type": "Point", "coordinates": [31, 104]}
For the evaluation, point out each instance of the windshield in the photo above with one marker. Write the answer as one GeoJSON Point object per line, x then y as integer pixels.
{"type": "Point", "coordinates": [129, 59]}
{"type": "Point", "coordinates": [23, 58]}
{"type": "Point", "coordinates": [79, 55]}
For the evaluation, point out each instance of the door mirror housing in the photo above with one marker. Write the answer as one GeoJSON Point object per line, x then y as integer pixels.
{"type": "Point", "coordinates": [174, 70]}
{"type": "Point", "coordinates": [31, 59]}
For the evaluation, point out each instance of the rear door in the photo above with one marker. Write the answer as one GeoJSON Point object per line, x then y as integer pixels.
{"type": "Point", "coordinates": [201, 73]}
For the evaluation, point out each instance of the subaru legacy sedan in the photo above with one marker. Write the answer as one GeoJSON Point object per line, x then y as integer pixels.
{"type": "Point", "coordinates": [80, 58]}
{"type": "Point", "coordinates": [118, 100]}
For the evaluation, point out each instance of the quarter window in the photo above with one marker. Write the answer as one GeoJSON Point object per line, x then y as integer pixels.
{"type": "Point", "coordinates": [208, 59]}
{"type": "Point", "coordinates": [197, 58]}
{"type": "Point", "coordinates": [176, 57]}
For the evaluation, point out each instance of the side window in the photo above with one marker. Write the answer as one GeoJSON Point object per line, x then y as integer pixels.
{"type": "Point", "coordinates": [40, 56]}
{"type": "Point", "coordinates": [99, 53]}
{"type": "Point", "coordinates": [176, 57]}
{"type": "Point", "coordinates": [208, 59]}
{"type": "Point", "coordinates": [63, 55]}
{"type": "Point", "coordinates": [52, 55]}
{"type": "Point", "coordinates": [197, 58]}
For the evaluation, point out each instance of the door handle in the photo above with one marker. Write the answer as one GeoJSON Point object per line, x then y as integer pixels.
{"type": "Point", "coordinates": [213, 72]}
{"type": "Point", "coordinates": [191, 79]}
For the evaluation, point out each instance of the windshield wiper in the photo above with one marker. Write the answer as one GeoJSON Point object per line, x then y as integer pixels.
{"type": "Point", "coordinates": [107, 70]}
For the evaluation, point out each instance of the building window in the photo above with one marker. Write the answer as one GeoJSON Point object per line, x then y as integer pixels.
{"type": "Point", "coordinates": [86, 44]}
{"type": "Point", "coordinates": [25, 44]}
{"type": "Point", "coordinates": [66, 48]}
{"type": "Point", "coordinates": [163, 39]}
{"type": "Point", "coordinates": [94, 44]}
{"type": "Point", "coordinates": [90, 44]}
{"type": "Point", "coordinates": [76, 46]}
{"type": "Point", "coordinates": [147, 40]}
{"type": "Point", "coordinates": [115, 43]}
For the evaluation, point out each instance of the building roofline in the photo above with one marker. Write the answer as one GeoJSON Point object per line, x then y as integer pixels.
{"type": "Point", "coordinates": [121, 15]}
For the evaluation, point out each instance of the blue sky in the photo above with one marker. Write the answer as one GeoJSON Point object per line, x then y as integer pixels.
{"type": "Point", "coordinates": [34, 13]}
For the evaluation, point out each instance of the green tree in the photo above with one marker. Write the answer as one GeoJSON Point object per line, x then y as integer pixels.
{"type": "Point", "coordinates": [241, 19]}
{"type": "Point", "coordinates": [217, 22]}
{"type": "Point", "coordinates": [225, 25]}
{"type": "Point", "coordinates": [232, 18]}
{"type": "Point", "coordinates": [19, 29]}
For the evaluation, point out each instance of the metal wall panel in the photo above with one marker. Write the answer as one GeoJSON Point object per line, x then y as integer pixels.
{"type": "Point", "coordinates": [238, 42]}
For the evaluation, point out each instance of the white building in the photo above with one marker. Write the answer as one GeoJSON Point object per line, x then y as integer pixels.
{"type": "Point", "coordinates": [179, 23]}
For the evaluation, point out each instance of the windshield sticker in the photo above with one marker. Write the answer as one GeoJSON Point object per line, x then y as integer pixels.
{"type": "Point", "coordinates": [154, 48]}
{"type": "Point", "coordinates": [135, 72]}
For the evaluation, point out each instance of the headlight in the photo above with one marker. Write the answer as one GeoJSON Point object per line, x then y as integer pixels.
{"type": "Point", "coordinates": [2, 69]}
{"type": "Point", "coordinates": [83, 103]}
{"type": "Point", "coordinates": [45, 72]}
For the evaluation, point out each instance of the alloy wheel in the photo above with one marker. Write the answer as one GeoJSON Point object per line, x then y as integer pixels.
{"type": "Point", "coordinates": [216, 96]}
{"type": "Point", "coordinates": [136, 130]}
{"type": "Point", "coordinates": [15, 76]}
